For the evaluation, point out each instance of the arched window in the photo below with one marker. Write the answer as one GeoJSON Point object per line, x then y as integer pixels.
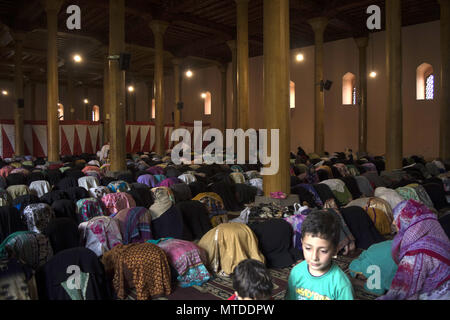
{"type": "Point", "coordinates": [425, 82]}
{"type": "Point", "coordinates": [153, 109]}
{"type": "Point", "coordinates": [60, 111]}
{"type": "Point", "coordinates": [95, 113]}
{"type": "Point", "coordinates": [349, 89]}
{"type": "Point", "coordinates": [207, 102]}
{"type": "Point", "coordinates": [292, 94]}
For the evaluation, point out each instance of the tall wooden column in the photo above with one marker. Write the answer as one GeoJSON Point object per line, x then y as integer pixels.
{"type": "Point", "coordinates": [394, 112]}
{"type": "Point", "coordinates": [52, 7]}
{"type": "Point", "coordinates": [19, 109]}
{"type": "Point", "coordinates": [223, 73]}
{"type": "Point", "coordinates": [117, 85]}
{"type": "Point", "coordinates": [444, 145]}
{"type": "Point", "coordinates": [177, 86]}
{"type": "Point", "coordinates": [242, 63]}
{"type": "Point", "coordinates": [86, 106]}
{"type": "Point", "coordinates": [105, 113]}
{"type": "Point", "coordinates": [34, 111]}
{"type": "Point", "coordinates": [159, 27]}
{"type": "Point", "coordinates": [232, 45]}
{"type": "Point", "coordinates": [362, 132]}
{"type": "Point", "coordinates": [69, 109]}
{"type": "Point", "coordinates": [318, 25]}
{"type": "Point", "coordinates": [276, 89]}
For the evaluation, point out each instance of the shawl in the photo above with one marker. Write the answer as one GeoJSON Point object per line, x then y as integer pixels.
{"type": "Point", "coordinates": [119, 186]}
{"type": "Point", "coordinates": [228, 244]}
{"type": "Point", "coordinates": [142, 267]}
{"type": "Point", "coordinates": [40, 187]}
{"type": "Point", "coordinates": [16, 178]}
{"type": "Point", "coordinates": [134, 224]}
{"type": "Point", "coordinates": [88, 208]}
{"type": "Point", "coordinates": [339, 190]}
{"type": "Point", "coordinates": [17, 190]}
{"type": "Point", "coordinates": [5, 198]}
{"type": "Point", "coordinates": [100, 234]}
{"type": "Point", "coordinates": [76, 193]}
{"type": "Point", "coordinates": [147, 179]}
{"type": "Point", "coordinates": [436, 193]}
{"type": "Point", "coordinates": [389, 195]}
{"type": "Point", "coordinates": [88, 182]}
{"type": "Point", "coordinates": [187, 259]}
{"type": "Point", "coordinates": [364, 186]}
{"type": "Point", "coordinates": [114, 202]}
{"type": "Point", "coordinates": [213, 203]}
{"type": "Point", "coordinates": [168, 182]}
{"type": "Point", "coordinates": [187, 178]}
{"type": "Point", "coordinates": [98, 192]}
{"type": "Point", "coordinates": [38, 216]}
{"type": "Point", "coordinates": [65, 208]}
{"type": "Point", "coordinates": [10, 222]}
{"type": "Point", "coordinates": [169, 224]}
{"type": "Point", "coordinates": [53, 196]}
{"type": "Point", "coordinates": [22, 201]}
{"type": "Point", "coordinates": [196, 220]}
{"type": "Point", "coordinates": [164, 200]}
{"type": "Point", "coordinates": [33, 249]}
{"type": "Point", "coordinates": [181, 192]}
{"type": "Point", "coordinates": [63, 234]}
{"type": "Point", "coordinates": [421, 249]}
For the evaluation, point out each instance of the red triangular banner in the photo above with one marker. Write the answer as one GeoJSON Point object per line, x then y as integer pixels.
{"type": "Point", "coordinates": [37, 148]}
{"type": "Point", "coordinates": [146, 146]}
{"type": "Point", "coordinates": [27, 151]}
{"type": "Point", "coordinates": [128, 140]}
{"type": "Point", "coordinates": [88, 143]}
{"type": "Point", "coordinates": [76, 143]}
{"type": "Point", "coordinates": [137, 143]}
{"type": "Point", "coordinates": [65, 147]}
{"type": "Point", "coordinates": [8, 150]}
{"type": "Point", "coordinates": [97, 146]}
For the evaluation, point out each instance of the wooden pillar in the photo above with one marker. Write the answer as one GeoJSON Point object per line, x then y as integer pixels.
{"type": "Point", "coordinates": [394, 116]}
{"type": "Point", "coordinates": [232, 45]}
{"type": "Point", "coordinates": [117, 85]}
{"type": "Point", "coordinates": [177, 86]}
{"type": "Point", "coordinates": [69, 109]}
{"type": "Point", "coordinates": [19, 109]}
{"type": "Point", "coordinates": [242, 63]}
{"type": "Point", "coordinates": [362, 132]}
{"type": "Point", "coordinates": [444, 146]}
{"type": "Point", "coordinates": [105, 113]}
{"type": "Point", "coordinates": [86, 106]}
{"type": "Point", "coordinates": [34, 111]}
{"type": "Point", "coordinates": [151, 96]}
{"type": "Point", "coordinates": [318, 25]}
{"type": "Point", "coordinates": [159, 27]}
{"type": "Point", "coordinates": [276, 89]}
{"type": "Point", "coordinates": [223, 73]}
{"type": "Point", "coordinates": [52, 7]}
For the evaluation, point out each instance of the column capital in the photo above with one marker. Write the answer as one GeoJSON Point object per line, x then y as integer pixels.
{"type": "Point", "coordinates": [318, 24]}
{"type": "Point", "coordinates": [158, 26]}
{"type": "Point", "coordinates": [362, 42]}
{"type": "Point", "coordinates": [52, 5]}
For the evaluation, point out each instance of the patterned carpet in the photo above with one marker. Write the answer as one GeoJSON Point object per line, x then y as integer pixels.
{"type": "Point", "coordinates": [221, 288]}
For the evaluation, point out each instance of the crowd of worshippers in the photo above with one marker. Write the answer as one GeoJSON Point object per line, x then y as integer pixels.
{"type": "Point", "coordinates": [74, 230]}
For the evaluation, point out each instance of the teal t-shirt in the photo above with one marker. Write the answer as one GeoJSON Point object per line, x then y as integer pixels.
{"type": "Point", "coordinates": [333, 285]}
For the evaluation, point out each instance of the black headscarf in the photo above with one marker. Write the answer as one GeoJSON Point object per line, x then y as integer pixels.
{"type": "Point", "coordinates": [127, 177]}
{"type": "Point", "coordinates": [275, 242]}
{"type": "Point", "coordinates": [65, 208]}
{"type": "Point", "coordinates": [437, 195]}
{"type": "Point", "coordinates": [14, 179]}
{"type": "Point", "coordinates": [53, 176]}
{"type": "Point", "coordinates": [304, 195]}
{"type": "Point", "coordinates": [181, 192]}
{"type": "Point", "coordinates": [10, 222]}
{"type": "Point", "coordinates": [226, 189]}
{"type": "Point", "coordinates": [361, 226]}
{"type": "Point", "coordinates": [104, 181]}
{"type": "Point", "coordinates": [169, 224]}
{"type": "Point", "coordinates": [63, 234]}
{"type": "Point", "coordinates": [196, 220]}
{"type": "Point", "coordinates": [445, 224]}
{"type": "Point", "coordinates": [3, 184]}
{"type": "Point", "coordinates": [324, 192]}
{"type": "Point", "coordinates": [74, 173]}
{"type": "Point", "coordinates": [197, 187]}
{"type": "Point", "coordinates": [52, 196]}
{"type": "Point", "coordinates": [141, 194]}
{"type": "Point", "coordinates": [35, 176]}
{"type": "Point", "coordinates": [77, 193]}
{"type": "Point", "coordinates": [66, 183]}
{"type": "Point", "coordinates": [245, 194]}
{"type": "Point", "coordinates": [50, 276]}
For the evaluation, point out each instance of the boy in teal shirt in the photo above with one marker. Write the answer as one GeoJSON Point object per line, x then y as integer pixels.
{"type": "Point", "coordinates": [318, 277]}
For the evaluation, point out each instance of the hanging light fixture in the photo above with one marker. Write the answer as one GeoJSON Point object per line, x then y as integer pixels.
{"type": "Point", "coordinates": [77, 58]}
{"type": "Point", "coordinates": [300, 57]}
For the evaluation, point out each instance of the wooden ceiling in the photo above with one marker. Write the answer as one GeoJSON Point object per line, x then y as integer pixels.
{"type": "Point", "coordinates": [198, 32]}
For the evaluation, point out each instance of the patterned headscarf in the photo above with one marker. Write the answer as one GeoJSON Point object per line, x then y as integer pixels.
{"type": "Point", "coordinates": [38, 215]}
{"type": "Point", "coordinates": [164, 199]}
{"type": "Point", "coordinates": [134, 224]}
{"type": "Point", "coordinates": [88, 208]}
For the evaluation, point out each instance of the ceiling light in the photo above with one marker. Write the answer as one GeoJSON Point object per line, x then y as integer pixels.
{"type": "Point", "coordinates": [203, 95]}
{"type": "Point", "coordinates": [4, 92]}
{"type": "Point", "coordinates": [189, 73]}
{"type": "Point", "coordinates": [299, 57]}
{"type": "Point", "coordinates": [373, 74]}
{"type": "Point", "coordinates": [130, 89]}
{"type": "Point", "coordinates": [86, 101]}
{"type": "Point", "coordinates": [77, 58]}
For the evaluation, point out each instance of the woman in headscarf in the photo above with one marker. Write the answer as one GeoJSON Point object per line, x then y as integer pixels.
{"type": "Point", "coordinates": [134, 224]}
{"type": "Point", "coordinates": [138, 267]}
{"type": "Point", "coordinates": [228, 244]}
{"type": "Point", "coordinates": [100, 234]}
{"type": "Point", "coordinates": [196, 220]}
{"type": "Point", "coordinates": [53, 196]}
{"type": "Point", "coordinates": [339, 190]}
{"type": "Point", "coordinates": [114, 202]}
{"type": "Point", "coordinates": [63, 234]}
{"type": "Point", "coordinates": [31, 248]}
{"type": "Point", "coordinates": [38, 216]}
{"type": "Point", "coordinates": [22, 201]}
{"type": "Point", "coordinates": [89, 208]}
{"type": "Point", "coordinates": [10, 222]}
{"type": "Point", "coordinates": [275, 243]}
{"type": "Point", "coordinates": [187, 259]}
{"type": "Point", "coordinates": [167, 220]}
{"type": "Point", "coordinates": [40, 187]}
{"type": "Point", "coordinates": [17, 190]}
{"type": "Point", "coordinates": [168, 182]}
{"type": "Point", "coordinates": [66, 183]}
{"type": "Point", "coordinates": [118, 186]}
{"type": "Point", "coordinates": [436, 193]}
{"type": "Point", "coordinates": [389, 195]}
{"type": "Point", "coordinates": [53, 278]}
{"type": "Point", "coordinates": [14, 179]}
{"type": "Point", "coordinates": [98, 192]}
{"type": "Point", "coordinates": [421, 249]}
{"type": "Point", "coordinates": [147, 179]}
